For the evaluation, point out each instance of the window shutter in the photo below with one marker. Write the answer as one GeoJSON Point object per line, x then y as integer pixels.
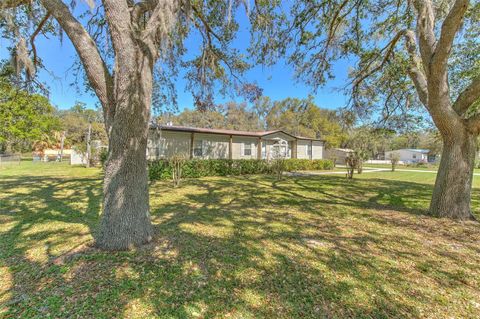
{"type": "Point", "coordinates": [242, 149]}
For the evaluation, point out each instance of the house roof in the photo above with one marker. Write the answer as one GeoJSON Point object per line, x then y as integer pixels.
{"type": "Point", "coordinates": [414, 150]}
{"type": "Point", "coordinates": [224, 131]}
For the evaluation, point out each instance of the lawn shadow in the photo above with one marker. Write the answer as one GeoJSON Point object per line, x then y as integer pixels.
{"type": "Point", "coordinates": [283, 253]}
{"type": "Point", "coordinates": [247, 247]}
{"type": "Point", "coordinates": [44, 219]}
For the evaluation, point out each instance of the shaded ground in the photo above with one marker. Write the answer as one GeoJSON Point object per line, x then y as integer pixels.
{"type": "Point", "coordinates": [304, 247]}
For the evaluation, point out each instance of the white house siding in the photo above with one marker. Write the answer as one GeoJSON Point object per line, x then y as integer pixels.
{"type": "Point", "coordinates": [317, 150]}
{"type": "Point", "coordinates": [77, 158]}
{"type": "Point", "coordinates": [214, 145]}
{"type": "Point", "coordinates": [271, 139]}
{"type": "Point", "coordinates": [238, 146]}
{"type": "Point", "coordinates": [302, 146]}
{"type": "Point", "coordinates": [164, 144]}
{"type": "Point", "coordinates": [408, 156]}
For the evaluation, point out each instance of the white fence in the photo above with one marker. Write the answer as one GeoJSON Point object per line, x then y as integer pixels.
{"type": "Point", "coordinates": [382, 162]}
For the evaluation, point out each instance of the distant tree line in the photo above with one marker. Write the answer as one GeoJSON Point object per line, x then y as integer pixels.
{"type": "Point", "coordinates": [374, 142]}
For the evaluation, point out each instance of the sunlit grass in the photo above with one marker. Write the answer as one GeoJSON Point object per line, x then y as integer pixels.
{"type": "Point", "coordinates": [238, 247]}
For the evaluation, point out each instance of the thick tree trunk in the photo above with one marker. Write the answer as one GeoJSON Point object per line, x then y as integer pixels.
{"type": "Point", "coordinates": [451, 195]}
{"type": "Point", "coordinates": [126, 215]}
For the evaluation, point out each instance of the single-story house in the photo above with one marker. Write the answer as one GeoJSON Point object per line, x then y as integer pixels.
{"type": "Point", "coordinates": [410, 155]}
{"type": "Point", "coordinates": [167, 140]}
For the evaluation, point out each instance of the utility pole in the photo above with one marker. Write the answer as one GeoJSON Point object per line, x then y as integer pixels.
{"type": "Point", "coordinates": [88, 143]}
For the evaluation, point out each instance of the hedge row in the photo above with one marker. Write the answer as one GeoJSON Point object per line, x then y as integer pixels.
{"type": "Point", "coordinates": [295, 164]}
{"type": "Point", "coordinates": [162, 169]}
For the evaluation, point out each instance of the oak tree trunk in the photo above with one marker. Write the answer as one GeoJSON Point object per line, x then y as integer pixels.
{"type": "Point", "coordinates": [451, 195]}
{"type": "Point", "coordinates": [126, 221]}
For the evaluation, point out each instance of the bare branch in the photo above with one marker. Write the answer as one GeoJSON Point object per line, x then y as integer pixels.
{"type": "Point", "coordinates": [469, 96]}
{"type": "Point", "coordinates": [34, 35]}
{"type": "Point", "coordinates": [450, 27]}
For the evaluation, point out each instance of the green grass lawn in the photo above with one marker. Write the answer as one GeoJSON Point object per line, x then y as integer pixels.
{"type": "Point", "coordinates": [410, 167]}
{"type": "Point", "coordinates": [238, 247]}
{"type": "Point", "coordinates": [401, 166]}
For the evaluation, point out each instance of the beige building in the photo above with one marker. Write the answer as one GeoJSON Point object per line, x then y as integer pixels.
{"type": "Point", "coordinates": [166, 141]}
{"type": "Point", "coordinates": [338, 154]}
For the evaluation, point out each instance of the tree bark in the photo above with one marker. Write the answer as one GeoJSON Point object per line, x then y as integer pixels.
{"type": "Point", "coordinates": [451, 195]}
{"type": "Point", "coordinates": [126, 213]}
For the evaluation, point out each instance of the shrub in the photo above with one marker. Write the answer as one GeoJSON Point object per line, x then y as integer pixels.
{"type": "Point", "coordinates": [352, 162]}
{"type": "Point", "coordinates": [394, 159]}
{"type": "Point", "coordinates": [177, 163]}
{"type": "Point", "coordinates": [295, 164]}
{"type": "Point", "coordinates": [194, 168]}
{"type": "Point", "coordinates": [103, 156]}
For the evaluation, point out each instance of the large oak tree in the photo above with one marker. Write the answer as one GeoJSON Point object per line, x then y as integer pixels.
{"type": "Point", "coordinates": [120, 43]}
{"type": "Point", "coordinates": [424, 52]}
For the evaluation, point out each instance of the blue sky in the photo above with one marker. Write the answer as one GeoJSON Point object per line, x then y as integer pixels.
{"type": "Point", "coordinates": [277, 81]}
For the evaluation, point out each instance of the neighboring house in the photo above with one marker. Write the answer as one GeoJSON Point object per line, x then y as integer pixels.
{"type": "Point", "coordinates": [409, 155]}
{"type": "Point", "coordinates": [78, 158]}
{"type": "Point", "coordinates": [338, 154]}
{"type": "Point", "coordinates": [191, 142]}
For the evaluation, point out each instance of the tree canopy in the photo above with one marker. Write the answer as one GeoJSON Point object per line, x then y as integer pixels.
{"type": "Point", "coordinates": [381, 35]}
{"type": "Point", "coordinates": [24, 117]}
{"type": "Point", "coordinates": [75, 123]}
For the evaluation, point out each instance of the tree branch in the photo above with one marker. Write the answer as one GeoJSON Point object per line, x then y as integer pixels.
{"type": "Point", "coordinates": [10, 4]}
{"type": "Point", "coordinates": [159, 25]}
{"type": "Point", "coordinates": [388, 52]}
{"type": "Point", "coordinates": [415, 70]}
{"type": "Point", "coordinates": [450, 27]}
{"type": "Point", "coordinates": [206, 25]}
{"type": "Point", "coordinates": [140, 8]}
{"type": "Point", "coordinates": [425, 29]}
{"type": "Point", "coordinates": [118, 18]}
{"type": "Point", "coordinates": [34, 35]}
{"type": "Point", "coordinates": [469, 96]}
{"type": "Point", "coordinates": [473, 123]}
{"type": "Point", "coordinates": [95, 68]}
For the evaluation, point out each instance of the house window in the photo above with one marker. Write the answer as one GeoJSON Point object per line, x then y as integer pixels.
{"type": "Point", "coordinates": [198, 148]}
{"type": "Point", "coordinates": [414, 156]}
{"type": "Point", "coordinates": [247, 149]}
